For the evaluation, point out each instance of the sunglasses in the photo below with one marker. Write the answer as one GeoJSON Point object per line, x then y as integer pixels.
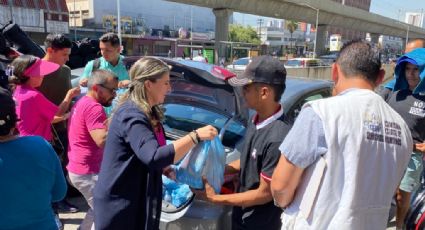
{"type": "Point", "coordinates": [111, 90]}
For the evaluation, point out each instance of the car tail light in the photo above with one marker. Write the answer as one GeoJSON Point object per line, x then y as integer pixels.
{"type": "Point", "coordinates": [303, 63]}
{"type": "Point", "coordinates": [222, 73]}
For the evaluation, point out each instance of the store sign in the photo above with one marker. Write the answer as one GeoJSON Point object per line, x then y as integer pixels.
{"type": "Point", "coordinates": [57, 27]}
{"type": "Point", "coordinates": [110, 24]}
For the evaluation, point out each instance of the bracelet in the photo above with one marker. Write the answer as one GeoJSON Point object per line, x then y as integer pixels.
{"type": "Point", "coordinates": [198, 139]}
{"type": "Point", "coordinates": [192, 136]}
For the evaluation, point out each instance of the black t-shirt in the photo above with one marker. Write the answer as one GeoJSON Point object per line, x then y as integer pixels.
{"type": "Point", "coordinates": [411, 108]}
{"type": "Point", "coordinates": [259, 156]}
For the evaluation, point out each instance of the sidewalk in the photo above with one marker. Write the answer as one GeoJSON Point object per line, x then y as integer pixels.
{"type": "Point", "coordinates": [73, 220]}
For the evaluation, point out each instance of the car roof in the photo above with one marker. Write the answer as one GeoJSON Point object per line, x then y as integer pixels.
{"type": "Point", "coordinates": [300, 59]}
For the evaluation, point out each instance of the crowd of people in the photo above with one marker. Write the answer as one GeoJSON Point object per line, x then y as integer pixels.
{"type": "Point", "coordinates": [337, 167]}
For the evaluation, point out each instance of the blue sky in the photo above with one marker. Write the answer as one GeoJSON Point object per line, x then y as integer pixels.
{"type": "Point", "coordinates": [389, 8]}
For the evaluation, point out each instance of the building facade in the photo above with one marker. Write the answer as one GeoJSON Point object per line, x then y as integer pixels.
{"type": "Point", "coordinates": [415, 18]}
{"type": "Point", "coordinates": [147, 27]}
{"type": "Point", "coordinates": [278, 39]}
{"type": "Point", "coordinates": [36, 17]}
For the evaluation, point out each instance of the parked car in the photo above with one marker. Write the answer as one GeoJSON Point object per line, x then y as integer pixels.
{"type": "Point", "coordinates": [328, 59]}
{"type": "Point", "coordinates": [201, 95]}
{"type": "Point", "coordinates": [303, 63]}
{"type": "Point", "coordinates": [239, 64]}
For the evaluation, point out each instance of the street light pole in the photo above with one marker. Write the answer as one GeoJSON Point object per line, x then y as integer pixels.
{"type": "Point", "coordinates": [75, 24]}
{"type": "Point", "coordinates": [119, 21]}
{"type": "Point", "coordinates": [191, 31]}
{"type": "Point", "coordinates": [407, 35]}
{"type": "Point", "coordinates": [315, 34]}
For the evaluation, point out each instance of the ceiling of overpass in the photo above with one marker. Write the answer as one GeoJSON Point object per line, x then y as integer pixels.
{"type": "Point", "coordinates": [330, 13]}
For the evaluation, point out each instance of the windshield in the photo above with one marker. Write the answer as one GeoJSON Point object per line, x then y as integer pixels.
{"type": "Point", "coordinates": [243, 61]}
{"type": "Point", "coordinates": [187, 118]}
{"type": "Point", "coordinates": [293, 63]}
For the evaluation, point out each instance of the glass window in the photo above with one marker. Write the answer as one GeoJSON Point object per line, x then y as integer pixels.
{"type": "Point", "coordinates": [242, 61]}
{"type": "Point", "coordinates": [293, 63]}
{"type": "Point", "coordinates": [186, 118]}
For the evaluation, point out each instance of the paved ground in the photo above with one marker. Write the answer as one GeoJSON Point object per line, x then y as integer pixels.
{"type": "Point", "coordinates": [73, 220]}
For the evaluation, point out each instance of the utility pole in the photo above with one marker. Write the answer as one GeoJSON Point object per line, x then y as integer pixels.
{"type": "Point", "coordinates": [260, 23]}
{"type": "Point", "coordinates": [119, 22]}
{"type": "Point", "coordinates": [191, 30]}
{"type": "Point", "coordinates": [75, 23]}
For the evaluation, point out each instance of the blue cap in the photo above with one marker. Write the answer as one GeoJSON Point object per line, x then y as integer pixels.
{"type": "Point", "coordinates": [406, 59]}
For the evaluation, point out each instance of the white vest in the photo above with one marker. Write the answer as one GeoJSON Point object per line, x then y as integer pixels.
{"type": "Point", "coordinates": [351, 186]}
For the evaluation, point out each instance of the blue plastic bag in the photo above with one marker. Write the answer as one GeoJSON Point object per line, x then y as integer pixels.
{"type": "Point", "coordinates": [175, 193]}
{"type": "Point", "coordinates": [205, 159]}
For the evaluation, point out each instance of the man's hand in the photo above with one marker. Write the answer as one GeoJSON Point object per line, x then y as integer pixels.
{"type": "Point", "coordinates": [124, 83]}
{"type": "Point", "coordinates": [209, 191]}
{"type": "Point", "coordinates": [169, 172]}
{"type": "Point", "coordinates": [208, 194]}
{"type": "Point", "coordinates": [83, 82]}
{"type": "Point", "coordinates": [420, 147]}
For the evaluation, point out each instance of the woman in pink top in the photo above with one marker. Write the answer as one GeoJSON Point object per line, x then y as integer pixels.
{"type": "Point", "coordinates": [35, 112]}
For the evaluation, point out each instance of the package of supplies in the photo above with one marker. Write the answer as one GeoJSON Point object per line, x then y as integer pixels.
{"type": "Point", "coordinates": [207, 159]}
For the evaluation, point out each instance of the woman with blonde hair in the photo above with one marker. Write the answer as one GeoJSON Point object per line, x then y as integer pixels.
{"type": "Point", "coordinates": [128, 194]}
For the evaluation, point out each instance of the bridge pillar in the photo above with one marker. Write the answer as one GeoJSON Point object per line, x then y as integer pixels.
{"type": "Point", "coordinates": [222, 16]}
{"type": "Point", "coordinates": [374, 39]}
{"type": "Point", "coordinates": [322, 37]}
{"type": "Point", "coordinates": [403, 45]}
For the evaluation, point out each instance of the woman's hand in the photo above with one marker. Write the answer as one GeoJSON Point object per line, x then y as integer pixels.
{"type": "Point", "coordinates": [206, 133]}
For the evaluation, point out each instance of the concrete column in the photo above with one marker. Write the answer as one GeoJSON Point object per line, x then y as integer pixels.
{"type": "Point", "coordinates": [322, 38]}
{"type": "Point", "coordinates": [403, 45]}
{"type": "Point", "coordinates": [374, 39]}
{"type": "Point", "coordinates": [222, 16]}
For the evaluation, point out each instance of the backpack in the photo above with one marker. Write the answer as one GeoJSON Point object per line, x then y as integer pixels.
{"type": "Point", "coordinates": [96, 64]}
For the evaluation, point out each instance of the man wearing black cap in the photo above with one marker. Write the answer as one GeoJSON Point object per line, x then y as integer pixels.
{"type": "Point", "coordinates": [263, 84]}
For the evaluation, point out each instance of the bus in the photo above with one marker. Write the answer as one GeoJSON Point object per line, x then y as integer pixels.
{"type": "Point", "coordinates": [335, 43]}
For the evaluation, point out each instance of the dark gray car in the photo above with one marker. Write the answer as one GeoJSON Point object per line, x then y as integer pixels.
{"type": "Point", "coordinates": [201, 95]}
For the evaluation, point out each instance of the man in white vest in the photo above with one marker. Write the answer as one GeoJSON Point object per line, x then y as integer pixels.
{"type": "Point", "coordinates": [344, 157]}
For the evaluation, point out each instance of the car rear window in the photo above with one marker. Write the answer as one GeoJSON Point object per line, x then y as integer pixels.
{"type": "Point", "coordinates": [187, 118]}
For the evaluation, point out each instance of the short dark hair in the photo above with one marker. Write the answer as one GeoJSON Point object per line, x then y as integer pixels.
{"type": "Point", "coordinates": [111, 38]}
{"type": "Point", "coordinates": [57, 42]}
{"type": "Point", "coordinates": [278, 89]}
{"type": "Point", "coordinates": [359, 58]}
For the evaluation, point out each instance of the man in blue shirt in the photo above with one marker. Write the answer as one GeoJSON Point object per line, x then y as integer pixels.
{"type": "Point", "coordinates": [111, 60]}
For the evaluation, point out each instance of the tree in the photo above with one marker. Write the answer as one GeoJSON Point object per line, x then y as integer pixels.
{"type": "Point", "coordinates": [238, 33]}
{"type": "Point", "coordinates": [292, 26]}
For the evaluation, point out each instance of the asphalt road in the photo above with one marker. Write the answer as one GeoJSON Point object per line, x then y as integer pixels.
{"type": "Point", "coordinates": [72, 220]}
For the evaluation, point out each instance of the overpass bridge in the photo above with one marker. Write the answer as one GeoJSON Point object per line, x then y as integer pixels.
{"type": "Point", "coordinates": [330, 13]}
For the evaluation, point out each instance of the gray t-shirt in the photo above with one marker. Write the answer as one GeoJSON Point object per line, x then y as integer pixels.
{"type": "Point", "coordinates": [306, 141]}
